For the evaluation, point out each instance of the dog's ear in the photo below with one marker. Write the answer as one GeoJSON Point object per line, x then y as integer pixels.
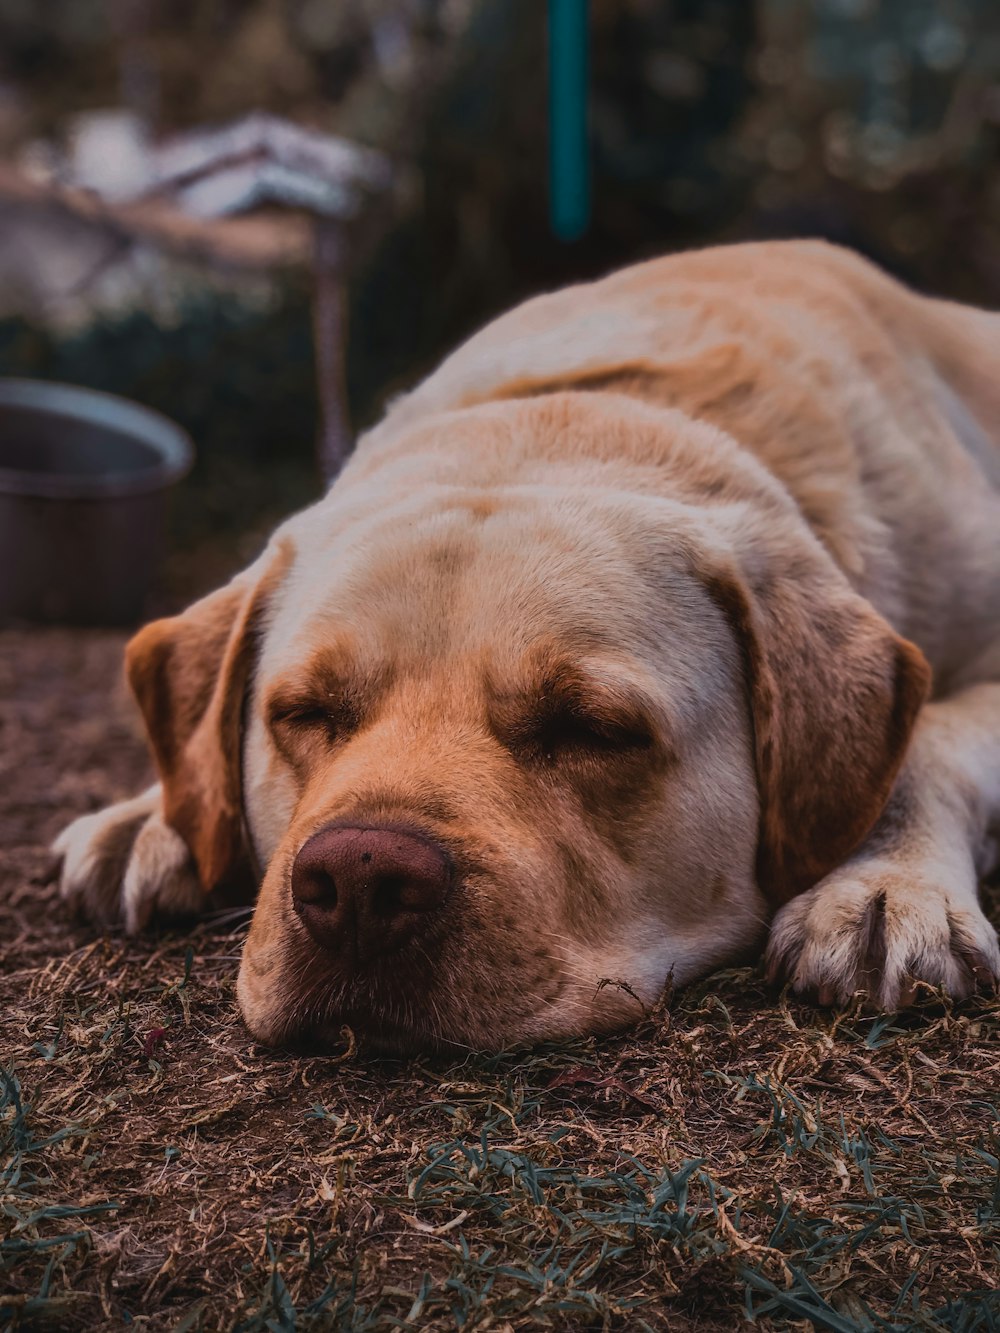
{"type": "Point", "coordinates": [834, 695]}
{"type": "Point", "coordinates": [189, 675]}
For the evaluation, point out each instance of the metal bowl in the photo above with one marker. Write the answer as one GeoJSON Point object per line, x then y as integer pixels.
{"type": "Point", "coordinates": [83, 481]}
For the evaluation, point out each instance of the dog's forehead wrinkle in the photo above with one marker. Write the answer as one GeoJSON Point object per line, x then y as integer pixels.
{"type": "Point", "coordinates": [430, 572]}
{"type": "Point", "coordinates": [458, 602]}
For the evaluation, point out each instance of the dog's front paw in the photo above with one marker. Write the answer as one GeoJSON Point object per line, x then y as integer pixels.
{"type": "Point", "coordinates": [880, 927]}
{"type": "Point", "coordinates": [125, 864]}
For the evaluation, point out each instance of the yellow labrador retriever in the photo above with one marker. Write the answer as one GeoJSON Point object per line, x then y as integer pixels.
{"type": "Point", "coordinates": [668, 605]}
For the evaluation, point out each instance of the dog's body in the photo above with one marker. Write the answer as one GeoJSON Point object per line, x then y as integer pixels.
{"type": "Point", "coordinates": [612, 638]}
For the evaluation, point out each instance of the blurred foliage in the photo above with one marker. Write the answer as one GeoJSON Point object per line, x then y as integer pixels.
{"type": "Point", "coordinates": [878, 122]}
{"type": "Point", "coordinates": [874, 122]}
{"type": "Point", "coordinates": [480, 239]}
{"type": "Point", "coordinates": [256, 406]}
{"type": "Point", "coordinates": [350, 65]}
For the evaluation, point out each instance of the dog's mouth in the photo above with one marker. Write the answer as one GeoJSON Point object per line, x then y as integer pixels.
{"type": "Point", "coordinates": [453, 1012]}
{"type": "Point", "coordinates": [405, 1003]}
{"type": "Point", "coordinates": [362, 1034]}
{"type": "Point", "coordinates": [387, 1032]}
{"type": "Point", "coordinates": [457, 1025]}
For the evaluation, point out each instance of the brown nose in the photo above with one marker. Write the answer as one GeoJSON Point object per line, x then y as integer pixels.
{"type": "Point", "coordinates": [363, 892]}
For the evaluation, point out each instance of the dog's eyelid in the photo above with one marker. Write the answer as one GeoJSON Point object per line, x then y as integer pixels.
{"type": "Point", "coordinates": [603, 700]}
{"type": "Point", "coordinates": [330, 710]}
{"type": "Point", "coordinates": [552, 724]}
{"type": "Point", "coordinates": [303, 715]}
{"type": "Point", "coordinates": [598, 724]}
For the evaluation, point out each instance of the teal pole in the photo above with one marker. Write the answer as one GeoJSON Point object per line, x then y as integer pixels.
{"type": "Point", "coordinates": [569, 157]}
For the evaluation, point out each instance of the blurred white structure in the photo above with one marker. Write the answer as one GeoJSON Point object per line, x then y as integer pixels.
{"type": "Point", "coordinates": [263, 160]}
{"type": "Point", "coordinates": [109, 153]}
{"type": "Point", "coordinates": [260, 194]}
{"type": "Point", "coordinates": [258, 166]}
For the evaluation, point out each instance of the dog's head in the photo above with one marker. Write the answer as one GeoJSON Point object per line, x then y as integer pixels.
{"type": "Point", "coordinates": [497, 744]}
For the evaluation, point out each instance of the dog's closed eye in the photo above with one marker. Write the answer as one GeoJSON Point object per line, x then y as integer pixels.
{"type": "Point", "coordinates": [563, 728]}
{"type": "Point", "coordinates": [296, 721]}
{"type": "Point", "coordinates": [570, 714]}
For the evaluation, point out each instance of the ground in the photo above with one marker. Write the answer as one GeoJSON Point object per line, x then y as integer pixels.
{"type": "Point", "coordinates": [739, 1155]}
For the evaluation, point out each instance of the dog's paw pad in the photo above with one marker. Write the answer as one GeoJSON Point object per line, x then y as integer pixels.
{"type": "Point", "coordinates": [160, 880]}
{"type": "Point", "coordinates": [881, 930]}
{"type": "Point", "coordinates": [90, 857]}
{"type": "Point", "coordinates": [124, 864]}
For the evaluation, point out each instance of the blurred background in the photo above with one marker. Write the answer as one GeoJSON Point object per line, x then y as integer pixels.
{"type": "Point", "coordinates": [872, 122]}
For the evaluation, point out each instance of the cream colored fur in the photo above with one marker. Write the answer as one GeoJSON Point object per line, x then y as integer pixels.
{"type": "Point", "coordinates": [752, 491]}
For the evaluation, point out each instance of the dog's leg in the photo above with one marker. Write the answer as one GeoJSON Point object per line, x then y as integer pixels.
{"type": "Point", "coordinates": [125, 864]}
{"type": "Point", "coordinates": [905, 907]}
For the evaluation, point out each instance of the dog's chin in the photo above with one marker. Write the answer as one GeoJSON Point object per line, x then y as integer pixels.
{"type": "Point", "coordinates": [400, 1028]}
{"type": "Point", "coordinates": [368, 1036]}
{"type": "Point", "coordinates": [388, 1040]}
{"type": "Point", "coordinates": [374, 1015]}
{"type": "Point", "coordinates": [370, 1033]}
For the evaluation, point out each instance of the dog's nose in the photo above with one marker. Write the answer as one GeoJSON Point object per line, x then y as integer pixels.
{"type": "Point", "coordinates": [363, 892]}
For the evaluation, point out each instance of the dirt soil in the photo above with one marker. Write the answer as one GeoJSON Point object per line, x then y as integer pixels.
{"type": "Point", "coordinates": [738, 1154]}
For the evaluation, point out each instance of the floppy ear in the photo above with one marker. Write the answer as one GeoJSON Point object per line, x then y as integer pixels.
{"type": "Point", "coordinates": [189, 675]}
{"type": "Point", "coordinates": [834, 696]}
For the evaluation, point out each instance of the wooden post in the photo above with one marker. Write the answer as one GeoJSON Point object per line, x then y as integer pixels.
{"type": "Point", "coordinates": [330, 341]}
{"type": "Point", "coordinates": [137, 72]}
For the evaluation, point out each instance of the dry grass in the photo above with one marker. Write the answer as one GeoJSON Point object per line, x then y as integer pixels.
{"type": "Point", "coordinates": [738, 1157]}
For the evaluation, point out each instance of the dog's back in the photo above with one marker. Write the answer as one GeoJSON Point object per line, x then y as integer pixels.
{"type": "Point", "coordinates": [878, 409]}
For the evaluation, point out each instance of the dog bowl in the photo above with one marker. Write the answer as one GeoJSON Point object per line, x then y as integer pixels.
{"type": "Point", "coordinates": [83, 481]}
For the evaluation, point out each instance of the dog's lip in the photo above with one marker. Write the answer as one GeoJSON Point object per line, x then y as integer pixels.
{"type": "Point", "coordinates": [354, 1024]}
{"type": "Point", "coordinates": [342, 1035]}
{"type": "Point", "coordinates": [354, 1021]}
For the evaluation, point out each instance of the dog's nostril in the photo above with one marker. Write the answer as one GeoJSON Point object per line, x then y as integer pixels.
{"type": "Point", "coordinates": [387, 900]}
{"type": "Point", "coordinates": [395, 894]}
{"type": "Point", "coordinates": [316, 887]}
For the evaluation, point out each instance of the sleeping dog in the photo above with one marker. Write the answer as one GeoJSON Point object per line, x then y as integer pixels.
{"type": "Point", "coordinates": [658, 627]}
